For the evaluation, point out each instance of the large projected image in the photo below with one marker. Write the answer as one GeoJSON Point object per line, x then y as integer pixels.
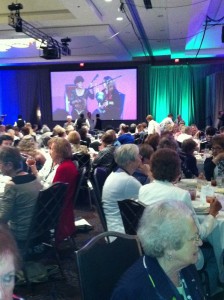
{"type": "Point", "coordinates": [110, 93]}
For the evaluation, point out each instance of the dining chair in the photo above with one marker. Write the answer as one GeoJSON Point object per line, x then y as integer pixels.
{"type": "Point", "coordinates": [45, 221]}
{"type": "Point", "coordinates": [102, 261]}
{"type": "Point", "coordinates": [131, 212]}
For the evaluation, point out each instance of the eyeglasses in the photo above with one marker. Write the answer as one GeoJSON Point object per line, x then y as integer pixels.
{"type": "Point", "coordinates": [195, 238]}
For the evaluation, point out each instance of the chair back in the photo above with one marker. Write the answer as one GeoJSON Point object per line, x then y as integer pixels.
{"type": "Point", "coordinates": [81, 176]}
{"type": "Point", "coordinates": [131, 212]}
{"type": "Point", "coordinates": [46, 213]}
{"type": "Point", "coordinates": [99, 177]}
{"type": "Point", "coordinates": [103, 261]}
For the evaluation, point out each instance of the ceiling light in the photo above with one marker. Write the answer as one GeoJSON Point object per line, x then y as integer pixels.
{"type": "Point", "coordinates": [119, 18]}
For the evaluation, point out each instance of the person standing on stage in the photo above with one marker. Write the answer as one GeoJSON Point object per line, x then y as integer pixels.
{"type": "Point", "coordinates": [79, 97]}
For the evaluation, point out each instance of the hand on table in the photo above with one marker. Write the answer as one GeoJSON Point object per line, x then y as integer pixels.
{"type": "Point", "coordinates": [215, 207]}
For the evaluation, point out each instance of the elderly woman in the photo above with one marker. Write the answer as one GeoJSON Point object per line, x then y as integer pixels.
{"type": "Point", "coordinates": [9, 258]}
{"type": "Point", "coordinates": [74, 140]}
{"type": "Point", "coordinates": [62, 169]}
{"type": "Point", "coordinates": [28, 147]}
{"type": "Point", "coordinates": [214, 165]}
{"type": "Point", "coordinates": [121, 185]}
{"type": "Point", "coordinates": [170, 240]}
{"type": "Point", "coordinates": [166, 169]}
{"type": "Point", "coordinates": [188, 161]}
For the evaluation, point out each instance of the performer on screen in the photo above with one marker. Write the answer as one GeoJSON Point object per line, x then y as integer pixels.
{"type": "Point", "coordinates": [79, 97]}
{"type": "Point", "coordinates": [109, 100]}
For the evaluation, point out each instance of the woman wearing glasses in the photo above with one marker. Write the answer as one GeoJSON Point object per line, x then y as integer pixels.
{"type": "Point", "coordinates": [214, 165]}
{"type": "Point", "coordinates": [170, 240]}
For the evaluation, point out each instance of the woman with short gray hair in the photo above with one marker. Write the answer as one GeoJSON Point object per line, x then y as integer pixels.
{"type": "Point", "coordinates": [170, 240]}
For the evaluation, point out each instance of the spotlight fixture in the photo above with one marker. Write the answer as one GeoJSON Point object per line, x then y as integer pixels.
{"type": "Point", "coordinates": [52, 49]}
{"type": "Point", "coordinates": [15, 6]}
{"type": "Point", "coordinates": [148, 4]}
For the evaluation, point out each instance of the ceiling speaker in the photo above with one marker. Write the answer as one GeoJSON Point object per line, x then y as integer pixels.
{"type": "Point", "coordinates": [148, 4]}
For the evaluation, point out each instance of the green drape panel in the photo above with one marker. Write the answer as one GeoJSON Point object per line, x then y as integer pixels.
{"type": "Point", "coordinates": [171, 91]}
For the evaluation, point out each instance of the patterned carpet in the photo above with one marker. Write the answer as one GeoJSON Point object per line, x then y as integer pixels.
{"type": "Point", "coordinates": [57, 287]}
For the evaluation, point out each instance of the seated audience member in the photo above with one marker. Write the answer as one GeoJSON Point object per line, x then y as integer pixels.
{"type": "Point", "coordinates": [168, 142]}
{"type": "Point", "coordinates": [179, 120]}
{"type": "Point", "coordinates": [195, 132]}
{"type": "Point", "coordinates": [185, 134]}
{"type": "Point", "coordinates": [59, 131]}
{"type": "Point", "coordinates": [85, 139]}
{"type": "Point", "coordinates": [28, 147]}
{"type": "Point", "coordinates": [153, 126]}
{"type": "Point", "coordinates": [61, 169]}
{"type": "Point", "coordinates": [105, 157]}
{"type": "Point", "coordinates": [214, 165]}
{"type": "Point", "coordinates": [188, 161]}
{"type": "Point", "coordinates": [10, 263]}
{"type": "Point", "coordinates": [32, 132]}
{"type": "Point", "coordinates": [143, 174]}
{"type": "Point", "coordinates": [2, 129]}
{"type": "Point", "coordinates": [170, 240]}
{"type": "Point", "coordinates": [132, 128]}
{"type": "Point", "coordinates": [166, 169]}
{"type": "Point", "coordinates": [69, 123]}
{"type": "Point", "coordinates": [206, 142]}
{"type": "Point", "coordinates": [74, 139]}
{"type": "Point", "coordinates": [125, 136]}
{"type": "Point", "coordinates": [121, 185]}
{"type": "Point", "coordinates": [153, 140]}
{"type": "Point", "coordinates": [45, 134]}
{"type": "Point", "coordinates": [20, 193]}
{"type": "Point", "coordinates": [81, 122]}
{"type": "Point", "coordinates": [6, 140]}
{"type": "Point", "coordinates": [25, 131]}
{"type": "Point", "coordinates": [221, 130]}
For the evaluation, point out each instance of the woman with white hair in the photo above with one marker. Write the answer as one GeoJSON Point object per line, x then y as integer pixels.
{"type": "Point", "coordinates": [121, 185]}
{"type": "Point", "coordinates": [170, 240]}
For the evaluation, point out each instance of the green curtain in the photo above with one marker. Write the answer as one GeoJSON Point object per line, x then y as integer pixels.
{"type": "Point", "coordinates": [171, 91]}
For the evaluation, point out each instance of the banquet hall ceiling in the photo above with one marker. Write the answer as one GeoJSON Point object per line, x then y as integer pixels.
{"type": "Point", "coordinates": [170, 29]}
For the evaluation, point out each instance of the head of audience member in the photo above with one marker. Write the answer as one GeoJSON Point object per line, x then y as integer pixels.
{"type": "Point", "coordinates": [165, 165]}
{"type": "Point", "coordinates": [168, 233]}
{"type": "Point", "coordinates": [145, 151]}
{"type": "Point", "coordinates": [127, 157]}
{"type": "Point", "coordinates": [140, 127]}
{"type": "Point", "coordinates": [74, 137]}
{"type": "Point", "coordinates": [10, 260]}
{"type": "Point", "coordinates": [59, 149]}
{"type": "Point", "coordinates": [113, 133]}
{"type": "Point", "coordinates": [10, 161]}
{"type": "Point", "coordinates": [221, 130]}
{"type": "Point", "coordinates": [185, 129]}
{"type": "Point", "coordinates": [132, 128]}
{"type": "Point", "coordinates": [217, 145]}
{"type": "Point", "coordinates": [153, 140]}
{"type": "Point", "coordinates": [69, 119]}
{"type": "Point", "coordinates": [210, 132]}
{"type": "Point", "coordinates": [166, 142]}
{"type": "Point", "coordinates": [59, 131]}
{"type": "Point", "coordinates": [108, 138]}
{"type": "Point", "coordinates": [6, 140]}
{"type": "Point", "coordinates": [27, 146]}
{"type": "Point", "coordinates": [124, 129]}
{"type": "Point", "coordinates": [17, 131]}
{"type": "Point", "coordinates": [69, 128]}
{"type": "Point", "coordinates": [45, 129]}
{"type": "Point", "coordinates": [25, 131]}
{"type": "Point", "coordinates": [170, 116]}
{"type": "Point", "coordinates": [189, 146]}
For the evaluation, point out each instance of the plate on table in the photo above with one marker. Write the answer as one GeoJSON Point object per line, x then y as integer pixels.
{"type": "Point", "coordinates": [219, 190]}
{"type": "Point", "coordinates": [188, 182]}
{"type": "Point", "coordinates": [201, 208]}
